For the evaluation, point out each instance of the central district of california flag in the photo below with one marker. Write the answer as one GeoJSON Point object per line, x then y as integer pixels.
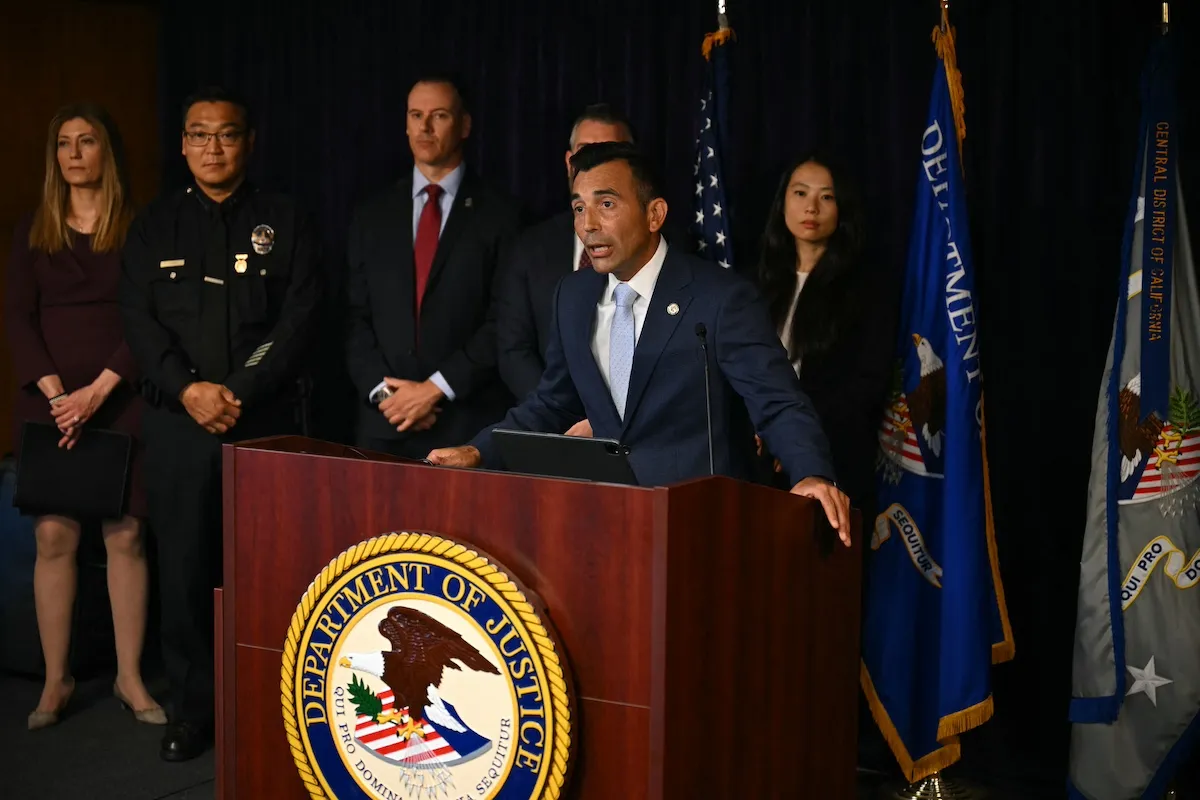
{"type": "Point", "coordinates": [1136, 682]}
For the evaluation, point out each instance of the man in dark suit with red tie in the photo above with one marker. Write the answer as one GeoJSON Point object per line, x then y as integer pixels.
{"type": "Point", "coordinates": [421, 346]}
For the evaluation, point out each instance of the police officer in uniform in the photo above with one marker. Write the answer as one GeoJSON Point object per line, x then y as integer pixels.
{"type": "Point", "coordinates": [219, 296]}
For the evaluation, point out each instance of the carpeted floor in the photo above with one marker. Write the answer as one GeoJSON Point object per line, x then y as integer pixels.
{"type": "Point", "coordinates": [96, 752]}
{"type": "Point", "coordinates": [99, 752]}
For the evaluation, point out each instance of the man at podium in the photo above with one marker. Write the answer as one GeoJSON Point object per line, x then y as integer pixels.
{"type": "Point", "coordinates": [629, 344]}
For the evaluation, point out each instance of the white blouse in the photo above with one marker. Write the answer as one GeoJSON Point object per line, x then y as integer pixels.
{"type": "Point", "coordinates": [785, 330]}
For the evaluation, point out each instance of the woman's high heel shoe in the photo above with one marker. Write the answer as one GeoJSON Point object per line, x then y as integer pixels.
{"type": "Point", "coordinates": [44, 719]}
{"type": "Point", "coordinates": [151, 716]}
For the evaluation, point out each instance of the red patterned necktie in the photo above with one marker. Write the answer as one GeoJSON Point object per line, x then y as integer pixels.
{"type": "Point", "coordinates": [585, 260]}
{"type": "Point", "coordinates": [425, 245]}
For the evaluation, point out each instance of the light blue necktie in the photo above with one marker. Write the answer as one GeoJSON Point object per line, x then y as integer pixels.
{"type": "Point", "coordinates": [622, 341]}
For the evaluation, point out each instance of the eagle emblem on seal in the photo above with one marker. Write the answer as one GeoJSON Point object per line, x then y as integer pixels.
{"type": "Point", "coordinates": [410, 724]}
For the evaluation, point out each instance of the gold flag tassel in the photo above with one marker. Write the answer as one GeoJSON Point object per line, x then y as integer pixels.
{"type": "Point", "coordinates": [943, 40]}
{"type": "Point", "coordinates": [718, 37]}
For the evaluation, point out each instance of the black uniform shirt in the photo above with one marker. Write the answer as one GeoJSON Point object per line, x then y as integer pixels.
{"type": "Point", "coordinates": [221, 292]}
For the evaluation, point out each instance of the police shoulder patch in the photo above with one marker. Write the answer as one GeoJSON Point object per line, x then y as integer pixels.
{"type": "Point", "coordinates": [415, 667]}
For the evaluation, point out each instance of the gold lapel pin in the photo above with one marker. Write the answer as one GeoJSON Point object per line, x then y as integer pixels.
{"type": "Point", "coordinates": [240, 264]}
{"type": "Point", "coordinates": [673, 309]}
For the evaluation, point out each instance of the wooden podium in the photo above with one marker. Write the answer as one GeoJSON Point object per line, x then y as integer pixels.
{"type": "Point", "coordinates": [712, 628]}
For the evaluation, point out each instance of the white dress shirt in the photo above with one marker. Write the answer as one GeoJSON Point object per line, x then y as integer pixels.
{"type": "Point", "coordinates": [785, 330]}
{"type": "Point", "coordinates": [642, 283]}
{"type": "Point", "coordinates": [450, 186]}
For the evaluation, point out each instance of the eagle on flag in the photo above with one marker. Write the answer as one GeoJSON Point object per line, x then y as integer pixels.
{"type": "Point", "coordinates": [927, 400]}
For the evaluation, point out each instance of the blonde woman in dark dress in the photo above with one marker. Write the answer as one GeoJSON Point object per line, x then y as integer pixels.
{"type": "Point", "coordinates": [74, 370]}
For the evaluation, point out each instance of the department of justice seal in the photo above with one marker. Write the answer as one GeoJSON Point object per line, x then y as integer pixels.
{"type": "Point", "coordinates": [414, 667]}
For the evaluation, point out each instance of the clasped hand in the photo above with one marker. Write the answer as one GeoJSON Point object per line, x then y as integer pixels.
{"type": "Point", "coordinates": [71, 412]}
{"type": "Point", "coordinates": [212, 405]}
{"type": "Point", "coordinates": [412, 405]}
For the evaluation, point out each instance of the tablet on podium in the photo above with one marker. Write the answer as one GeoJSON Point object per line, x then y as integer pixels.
{"type": "Point", "coordinates": [557, 456]}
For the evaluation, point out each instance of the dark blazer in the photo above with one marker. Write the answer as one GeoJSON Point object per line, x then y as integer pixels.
{"type": "Point", "coordinates": [665, 425]}
{"type": "Point", "coordinates": [272, 299]}
{"type": "Point", "coordinates": [849, 386]}
{"type": "Point", "coordinates": [457, 332]}
{"type": "Point", "coordinates": [540, 258]}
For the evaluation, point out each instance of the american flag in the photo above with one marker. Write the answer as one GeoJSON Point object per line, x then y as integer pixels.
{"type": "Point", "coordinates": [711, 223]}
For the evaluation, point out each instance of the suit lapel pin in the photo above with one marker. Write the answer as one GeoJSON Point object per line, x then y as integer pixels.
{"type": "Point", "coordinates": [673, 309]}
{"type": "Point", "coordinates": [239, 264]}
{"type": "Point", "coordinates": [468, 202]}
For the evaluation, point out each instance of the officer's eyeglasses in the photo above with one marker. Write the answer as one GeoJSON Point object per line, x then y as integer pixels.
{"type": "Point", "coordinates": [202, 138]}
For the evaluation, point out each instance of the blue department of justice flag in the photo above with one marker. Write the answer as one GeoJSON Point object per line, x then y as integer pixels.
{"type": "Point", "coordinates": [1135, 704]}
{"type": "Point", "coordinates": [934, 618]}
{"type": "Point", "coordinates": [711, 226]}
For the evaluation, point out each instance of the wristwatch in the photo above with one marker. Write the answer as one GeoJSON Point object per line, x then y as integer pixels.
{"type": "Point", "coordinates": [380, 394]}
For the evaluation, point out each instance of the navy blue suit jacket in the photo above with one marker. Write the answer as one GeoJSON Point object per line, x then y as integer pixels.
{"type": "Point", "coordinates": [753, 385]}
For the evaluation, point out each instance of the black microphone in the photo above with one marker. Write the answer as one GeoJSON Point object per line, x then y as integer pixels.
{"type": "Point", "coordinates": [702, 335]}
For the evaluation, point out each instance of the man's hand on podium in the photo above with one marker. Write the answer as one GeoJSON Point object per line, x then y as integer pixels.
{"type": "Point", "coordinates": [583, 429]}
{"type": "Point", "coordinates": [836, 504]}
{"type": "Point", "coordinates": [455, 457]}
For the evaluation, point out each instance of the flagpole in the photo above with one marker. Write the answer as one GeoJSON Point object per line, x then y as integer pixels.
{"type": "Point", "coordinates": [1164, 27]}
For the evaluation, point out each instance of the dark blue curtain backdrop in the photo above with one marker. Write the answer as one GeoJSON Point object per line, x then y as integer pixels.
{"type": "Point", "coordinates": [1051, 115]}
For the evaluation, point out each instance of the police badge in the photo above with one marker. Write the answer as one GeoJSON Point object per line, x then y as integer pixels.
{"type": "Point", "coordinates": [263, 239]}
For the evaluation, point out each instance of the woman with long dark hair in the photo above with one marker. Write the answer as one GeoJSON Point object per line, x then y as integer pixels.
{"type": "Point", "coordinates": [828, 312]}
{"type": "Point", "coordinates": [74, 371]}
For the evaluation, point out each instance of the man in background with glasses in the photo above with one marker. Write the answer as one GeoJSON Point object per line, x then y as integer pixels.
{"type": "Point", "coordinates": [219, 297]}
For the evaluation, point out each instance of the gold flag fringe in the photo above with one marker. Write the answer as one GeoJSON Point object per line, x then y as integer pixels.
{"type": "Point", "coordinates": [716, 38]}
{"type": "Point", "coordinates": [913, 771]}
{"type": "Point", "coordinates": [960, 722]}
{"type": "Point", "coordinates": [943, 40]}
{"type": "Point", "coordinates": [949, 729]}
{"type": "Point", "coordinates": [1006, 648]}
